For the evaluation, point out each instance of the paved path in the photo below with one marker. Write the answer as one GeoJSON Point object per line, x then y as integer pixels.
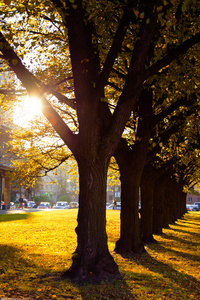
{"type": "Point", "coordinates": [18, 211]}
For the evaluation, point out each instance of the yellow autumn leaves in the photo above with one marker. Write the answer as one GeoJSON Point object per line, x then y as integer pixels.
{"type": "Point", "coordinates": [35, 249]}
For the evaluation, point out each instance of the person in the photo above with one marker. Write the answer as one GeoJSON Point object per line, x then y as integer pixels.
{"type": "Point", "coordinates": [20, 202]}
{"type": "Point", "coordinates": [114, 203]}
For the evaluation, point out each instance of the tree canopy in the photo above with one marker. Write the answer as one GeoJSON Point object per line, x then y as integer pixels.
{"type": "Point", "coordinates": [89, 63]}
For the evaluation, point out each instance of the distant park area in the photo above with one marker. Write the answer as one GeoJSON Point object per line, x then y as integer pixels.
{"type": "Point", "coordinates": [36, 248]}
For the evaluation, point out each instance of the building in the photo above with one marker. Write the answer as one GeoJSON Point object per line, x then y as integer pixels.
{"type": "Point", "coordinates": [191, 199]}
{"type": "Point", "coordinates": [65, 182]}
{"type": "Point", "coordinates": [5, 165]}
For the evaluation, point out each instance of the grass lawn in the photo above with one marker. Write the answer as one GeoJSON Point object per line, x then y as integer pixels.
{"type": "Point", "coordinates": [35, 248]}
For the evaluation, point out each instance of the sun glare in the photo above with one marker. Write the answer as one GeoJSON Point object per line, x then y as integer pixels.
{"type": "Point", "coordinates": [27, 111]}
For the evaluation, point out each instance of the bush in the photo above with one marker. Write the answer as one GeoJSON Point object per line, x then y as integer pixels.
{"type": "Point", "coordinates": [64, 198]}
{"type": "Point", "coordinates": [42, 198]}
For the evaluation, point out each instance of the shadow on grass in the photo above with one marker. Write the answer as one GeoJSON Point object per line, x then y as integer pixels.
{"type": "Point", "coordinates": [14, 264]}
{"type": "Point", "coordinates": [187, 225]}
{"type": "Point", "coordinates": [179, 240]}
{"type": "Point", "coordinates": [14, 217]}
{"type": "Point", "coordinates": [181, 280]}
{"type": "Point", "coordinates": [184, 227]}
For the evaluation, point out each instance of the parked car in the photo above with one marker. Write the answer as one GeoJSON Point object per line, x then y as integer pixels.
{"type": "Point", "coordinates": [61, 205]}
{"type": "Point", "coordinates": [12, 205]}
{"type": "Point", "coordinates": [73, 205]}
{"type": "Point", "coordinates": [44, 205]}
{"type": "Point", "coordinates": [32, 204]}
{"type": "Point", "coordinates": [118, 205]}
{"type": "Point", "coordinates": [27, 205]}
{"type": "Point", "coordinates": [195, 207]}
{"type": "Point", "coordinates": [197, 204]}
{"type": "Point", "coordinates": [190, 207]}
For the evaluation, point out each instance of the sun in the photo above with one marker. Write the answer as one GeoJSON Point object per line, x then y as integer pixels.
{"type": "Point", "coordinates": [32, 106]}
{"type": "Point", "coordinates": [28, 109]}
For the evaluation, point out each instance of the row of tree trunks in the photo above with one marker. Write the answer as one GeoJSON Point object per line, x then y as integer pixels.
{"type": "Point", "coordinates": [162, 202]}
{"type": "Point", "coordinates": [131, 163]}
{"type": "Point", "coordinates": [135, 173]}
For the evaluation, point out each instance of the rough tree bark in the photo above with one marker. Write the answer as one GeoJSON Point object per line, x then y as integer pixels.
{"type": "Point", "coordinates": [131, 163]}
{"type": "Point", "coordinates": [130, 240]}
{"type": "Point", "coordinates": [92, 258]}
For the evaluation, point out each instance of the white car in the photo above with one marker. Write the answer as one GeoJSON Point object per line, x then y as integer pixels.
{"type": "Point", "coordinates": [61, 205]}
{"type": "Point", "coordinates": [197, 204]}
{"type": "Point", "coordinates": [44, 205]}
{"type": "Point", "coordinates": [73, 205]}
{"type": "Point", "coordinates": [190, 207]}
{"type": "Point", "coordinates": [12, 205]}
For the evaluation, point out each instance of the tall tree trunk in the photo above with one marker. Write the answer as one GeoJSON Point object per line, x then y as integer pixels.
{"type": "Point", "coordinates": [170, 203]}
{"type": "Point", "coordinates": [130, 240]}
{"type": "Point", "coordinates": [181, 200]}
{"type": "Point", "coordinates": [183, 203]}
{"type": "Point", "coordinates": [147, 192]}
{"type": "Point", "coordinates": [158, 204]}
{"type": "Point", "coordinates": [131, 163]}
{"type": "Point", "coordinates": [92, 258]}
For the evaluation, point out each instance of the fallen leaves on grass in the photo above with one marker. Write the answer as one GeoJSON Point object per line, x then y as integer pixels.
{"type": "Point", "coordinates": [35, 249]}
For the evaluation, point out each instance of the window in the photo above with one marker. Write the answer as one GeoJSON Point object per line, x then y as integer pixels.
{"type": "Point", "coordinates": [189, 199]}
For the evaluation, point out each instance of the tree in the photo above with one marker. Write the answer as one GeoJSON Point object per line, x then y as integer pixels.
{"type": "Point", "coordinates": [163, 198]}
{"type": "Point", "coordinates": [95, 51]}
{"type": "Point", "coordinates": [131, 156]}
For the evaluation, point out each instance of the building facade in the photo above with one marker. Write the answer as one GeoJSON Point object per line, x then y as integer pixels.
{"type": "Point", "coordinates": [191, 199]}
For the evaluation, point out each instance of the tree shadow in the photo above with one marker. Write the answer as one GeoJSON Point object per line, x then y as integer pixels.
{"type": "Point", "coordinates": [184, 229]}
{"type": "Point", "coordinates": [14, 217]}
{"type": "Point", "coordinates": [9, 262]}
{"type": "Point", "coordinates": [182, 280]}
{"type": "Point", "coordinates": [192, 217]}
{"type": "Point", "coordinates": [178, 254]}
{"type": "Point", "coordinates": [188, 222]}
{"type": "Point", "coordinates": [17, 268]}
{"type": "Point", "coordinates": [179, 240]}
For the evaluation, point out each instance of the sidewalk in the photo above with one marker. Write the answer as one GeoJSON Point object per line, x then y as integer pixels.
{"type": "Point", "coordinates": [18, 211]}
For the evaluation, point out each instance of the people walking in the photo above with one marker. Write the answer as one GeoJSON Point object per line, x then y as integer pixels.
{"type": "Point", "coordinates": [114, 203]}
{"type": "Point", "coordinates": [20, 202]}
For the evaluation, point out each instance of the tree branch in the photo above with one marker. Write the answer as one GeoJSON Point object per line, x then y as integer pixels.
{"type": "Point", "coordinates": [115, 48]}
{"type": "Point", "coordinates": [172, 55]}
{"type": "Point", "coordinates": [28, 80]}
{"type": "Point", "coordinates": [13, 92]}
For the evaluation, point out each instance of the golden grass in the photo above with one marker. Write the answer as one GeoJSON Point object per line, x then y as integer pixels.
{"type": "Point", "coordinates": [36, 247]}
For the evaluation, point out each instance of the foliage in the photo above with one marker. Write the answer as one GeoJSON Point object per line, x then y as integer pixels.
{"type": "Point", "coordinates": [69, 54]}
{"type": "Point", "coordinates": [42, 198]}
{"type": "Point", "coordinates": [64, 198]}
{"type": "Point", "coordinates": [33, 259]}
{"type": "Point", "coordinates": [40, 38]}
